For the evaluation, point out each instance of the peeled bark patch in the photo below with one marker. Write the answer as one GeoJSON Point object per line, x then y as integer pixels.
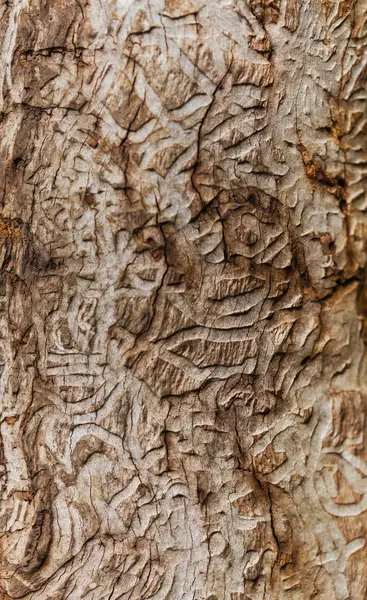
{"type": "Point", "coordinates": [183, 300]}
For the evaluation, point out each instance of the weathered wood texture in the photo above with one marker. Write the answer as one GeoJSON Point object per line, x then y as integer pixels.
{"type": "Point", "coordinates": [183, 244]}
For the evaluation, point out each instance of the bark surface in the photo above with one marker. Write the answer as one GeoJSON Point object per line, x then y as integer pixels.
{"type": "Point", "coordinates": [183, 300]}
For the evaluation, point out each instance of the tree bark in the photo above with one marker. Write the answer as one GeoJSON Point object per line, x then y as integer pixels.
{"type": "Point", "coordinates": [183, 299]}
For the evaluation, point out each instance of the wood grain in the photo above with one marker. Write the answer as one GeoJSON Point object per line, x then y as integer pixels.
{"type": "Point", "coordinates": [183, 300]}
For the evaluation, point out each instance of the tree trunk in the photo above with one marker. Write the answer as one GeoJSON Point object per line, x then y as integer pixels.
{"type": "Point", "coordinates": [183, 243]}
